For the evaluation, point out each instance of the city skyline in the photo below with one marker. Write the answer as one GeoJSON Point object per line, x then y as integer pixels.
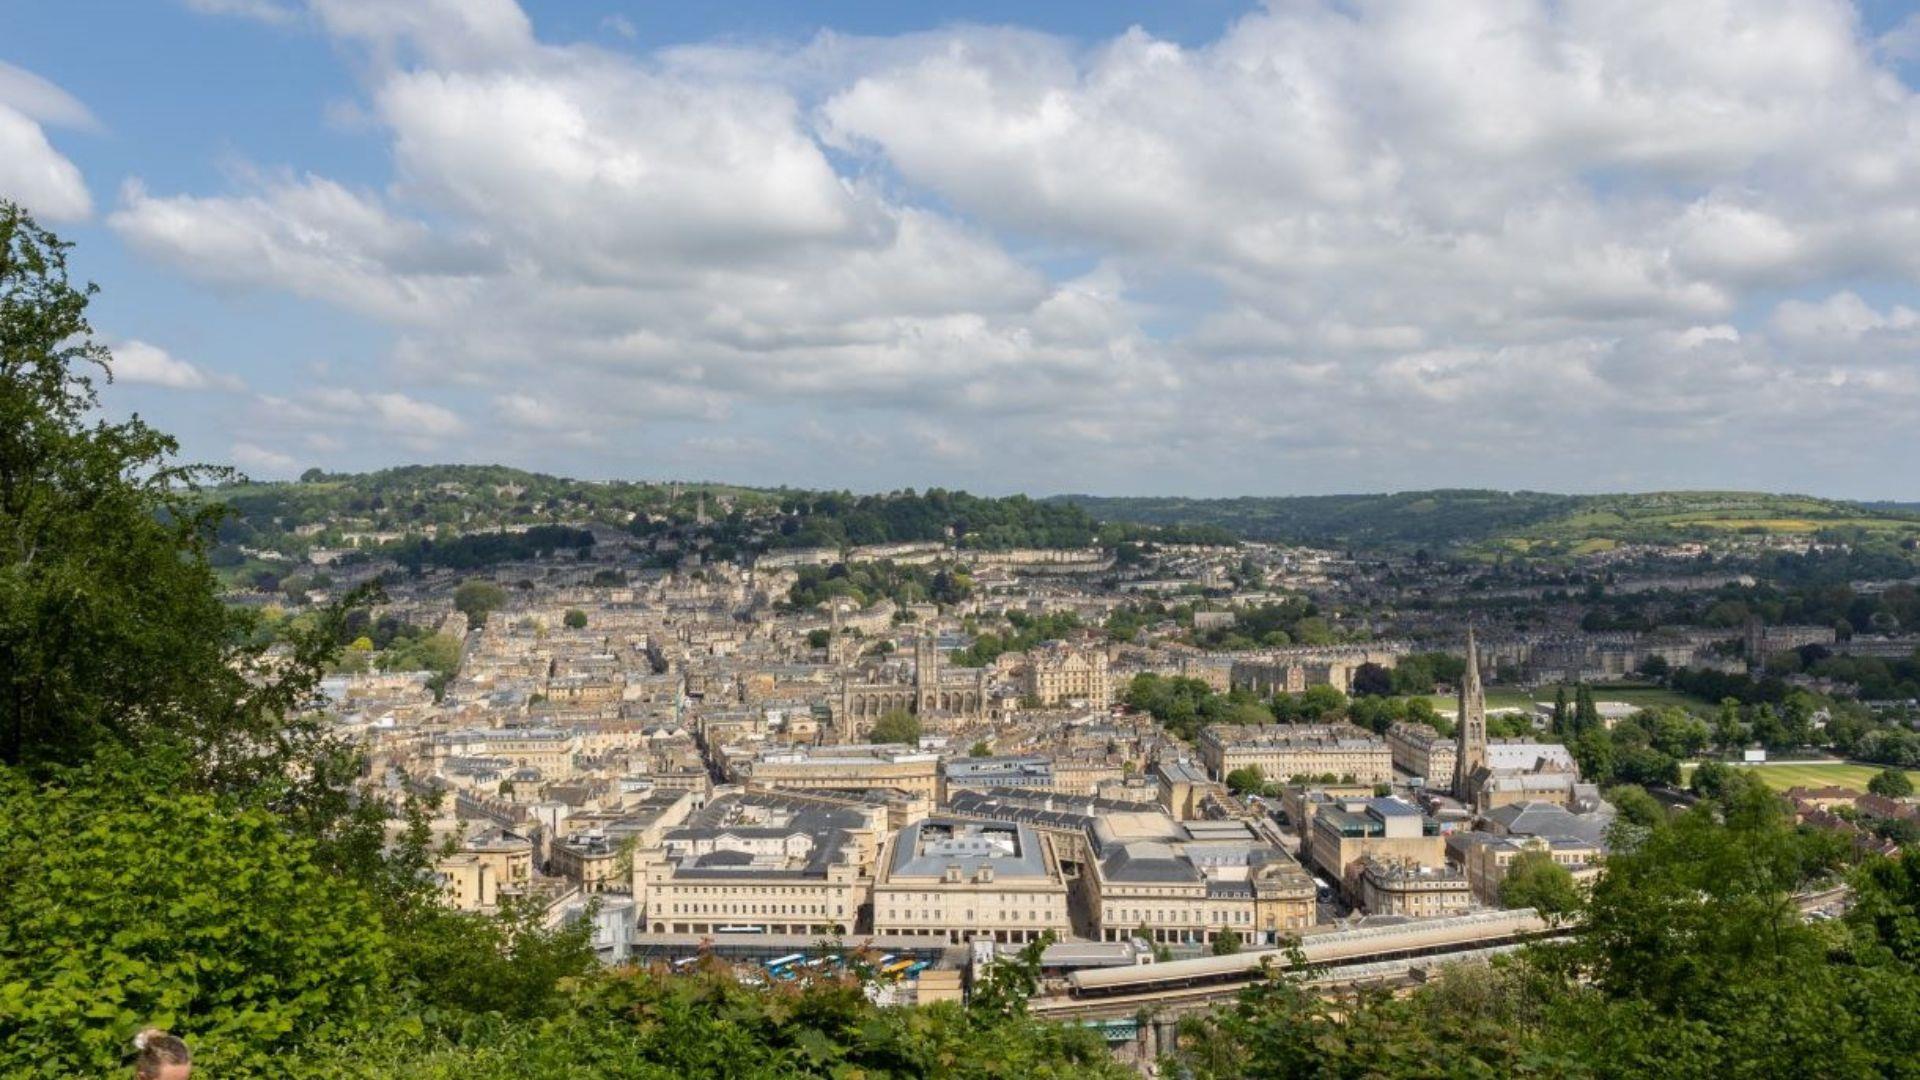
{"type": "Point", "coordinates": [1302, 248]}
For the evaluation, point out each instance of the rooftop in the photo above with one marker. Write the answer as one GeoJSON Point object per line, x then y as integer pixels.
{"type": "Point", "coordinates": [929, 848]}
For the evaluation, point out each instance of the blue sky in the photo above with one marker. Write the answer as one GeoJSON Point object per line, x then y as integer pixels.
{"type": "Point", "coordinates": [1201, 248]}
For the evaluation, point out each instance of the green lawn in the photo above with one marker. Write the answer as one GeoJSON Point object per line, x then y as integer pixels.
{"type": "Point", "coordinates": [1645, 697]}
{"type": "Point", "coordinates": [1815, 774]}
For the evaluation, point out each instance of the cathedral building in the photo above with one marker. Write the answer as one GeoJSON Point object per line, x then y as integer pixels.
{"type": "Point", "coordinates": [932, 694]}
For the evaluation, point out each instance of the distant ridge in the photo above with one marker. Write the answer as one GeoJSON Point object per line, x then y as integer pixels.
{"type": "Point", "coordinates": [1529, 522]}
{"type": "Point", "coordinates": [1454, 520]}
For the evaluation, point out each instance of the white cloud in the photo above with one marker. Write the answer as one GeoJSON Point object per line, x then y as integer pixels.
{"type": "Point", "coordinates": [253, 458]}
{"type": "Point", "coordinates": [37, 99]}
{"type": "Point", "coordinates": [1903, 41]}
{"type": "Point", "coordinates": [386, 419]}
{"type": "Point", "coordinates": [272, 12]}
{"type": "Point", "coordinates": [992, 253]}
{"type": "Point", "coordinates": [32, 172]}
{"type": "Point", "coordinates": [1842, 317]}
{"type": "Point", "coordinates": [137, 361]}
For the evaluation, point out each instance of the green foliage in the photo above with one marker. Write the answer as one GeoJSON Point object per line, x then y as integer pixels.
{"type": "Point", "coordinates": [124, 904]}
{"type": "Point", "coordinates": [183, 844]}
{"type": "Point", "coordinates": [867, 583]}
{"type": "Point", "coordinates": [636, 1026]}
{"type": "Point", "coordinates": [897, 726]}
{"type": "Point", "coordinates": [460, 963]}
{"type": "Point", "coordinates": [1028, 631]}
{"type": "Point", "coordinates": [1534, 880]}
{"type": "Point", "coordinates": [1185, 705]}
{"type": "Point", "coordinates": [980, 749]}
{"type": "Point", "coordinates": [477, 598]}
{"type": "Point", "coordinates": [1247, 780]}
{"type": "Point", "coordinates": [438, 653]}
{"type": "Point", "coordinates": [1533, 523]}
{"type": "Point", "coordinates": [1893, 783]}
{"type": "Point", "coordinates": [1635, 806]}
{"type": "Point", "coordinates": [1434, 519]}
{"type": "Point", "coordinates": [574, 619]}
{"type": "Point", "coordinates": [1691, 961]}
{"type": "Point", "coordinates": [475, 551]}
{"type": "Point", "coordinates": [837, 519]}
{"type": "Point", "coordinates": [1010, 981]}
{"type": "Point", "coordinates": [1226, 942]}
{"type": "Point", "coordinates": [1314, 705]}
{"type": "Point", "coordinates": [1377, 714]}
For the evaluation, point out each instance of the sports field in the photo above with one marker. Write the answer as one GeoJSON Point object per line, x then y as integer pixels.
{"type": "Point", "coordinates": [1817, 774]}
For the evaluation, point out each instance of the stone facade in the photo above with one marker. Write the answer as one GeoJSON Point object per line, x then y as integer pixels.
{"type": "Point", "coordinates": [1057, 672]}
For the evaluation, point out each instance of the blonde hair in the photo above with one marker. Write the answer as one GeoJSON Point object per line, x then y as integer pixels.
{"type": "Point", "coordinates": [154, 1050]}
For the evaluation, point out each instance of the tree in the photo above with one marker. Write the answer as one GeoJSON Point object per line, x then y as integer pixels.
{"type": "Point", "coordinates": [1534, 880]}
{"type": "Point", "coordinates": [1560, 714]}
{"type": "Point", "coordinates": [1635, 806]}
{"type": "Point", "coordinates": [112, 630]}
{"type": "Point", "coordinates": [477, 598]}
{"type": "Point", "coordinates": [184, 911]}
{"type": "Point", "coordinates": [1247, 780]}
{"type": "Point", "coordinates": [1372, 680]}
{"type": "Point", "coordinates": [819, 638]}
{"type": "Point", "coordinates": [1586, 714]}
{"type": "Point", "coordinates": [897, 726]}
{"type": "Point", "coordinates": [575, 619]}
{"type": "Point", "coordinates": [1011, 980]}
{"type": "Point", "coordinates": [1226, 942]}
{"type": "Point", "coordinates": [980, 749]}
{"type": "Point", "coordinates": [1893, 783]}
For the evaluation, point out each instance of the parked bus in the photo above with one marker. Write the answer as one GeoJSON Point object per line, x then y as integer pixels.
{"type": "Point", "coordinates": [782, 961]}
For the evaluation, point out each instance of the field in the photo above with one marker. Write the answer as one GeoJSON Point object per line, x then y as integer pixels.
{"type": "Point", "coordinates": [1645, 697]}
{"type": "Point", "coordinates": [1782, 776]}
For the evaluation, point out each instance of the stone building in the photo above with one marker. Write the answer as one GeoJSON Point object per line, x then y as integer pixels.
{"type": "Point", "coordinates": [903, 768]}
{"type": "Point", "coordinates": [1398, 886]}
{"type": "Point", "coordinates": [1057, 673]}
{"type": "Point", "coordinates": [1282, 751]}
{"type": "Point", "coordinates": [932, 692]}
{"type": "Point", "coordinates": [1189, 883]}
{"type": "Point", "coordinates": [1292, 670]}
{"type": "Point", "coordinates": [1763, 641]}
{"type": "Point", "coordinates": [1382, 828]}
{"type": "Point", "coordinates": [1486, 858]}
{"type": "Point", "coordinates": [763, 862]}
{"type": "Point", "coordinates": [971, 880]}
{"type": "Point", "coordinates": [1470, 728]}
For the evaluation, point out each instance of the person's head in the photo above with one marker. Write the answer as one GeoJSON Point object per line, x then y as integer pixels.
{"type": "Point", "coordinates": [160, 1056]}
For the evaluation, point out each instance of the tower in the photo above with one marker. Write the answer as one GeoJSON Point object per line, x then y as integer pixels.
{"type": "Point", "coordinates": [1470, 736]}
{"type": "Point", "coordinates": [926, 673]}
{"type": "Point", "coordinates": [833, 634]}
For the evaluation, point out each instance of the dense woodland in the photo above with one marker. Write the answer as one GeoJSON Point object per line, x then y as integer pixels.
{"type": "Point", "coordinates": [183, 850]}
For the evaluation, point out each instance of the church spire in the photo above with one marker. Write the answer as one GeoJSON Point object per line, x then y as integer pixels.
{"type": "Point", "coordinates": [1470, 735]}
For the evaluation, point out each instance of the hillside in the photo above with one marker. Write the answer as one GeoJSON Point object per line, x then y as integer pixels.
{"type": "Point", "coordinates": [394, 507]}
{"type": "Point", "coordinates": [1486, 522]}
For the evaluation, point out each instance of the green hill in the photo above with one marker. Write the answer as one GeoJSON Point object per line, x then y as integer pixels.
{"type": "Point", "coordinates": [1530, 522]}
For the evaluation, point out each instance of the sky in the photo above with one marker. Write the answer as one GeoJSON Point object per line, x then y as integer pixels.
{"type": "Point", "coordinates": [1121, 247]}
